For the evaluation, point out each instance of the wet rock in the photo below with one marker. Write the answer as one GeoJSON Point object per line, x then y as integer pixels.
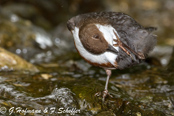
{"type": "Point", "coordinates": [12, 62]}
{"type": "Point", "coordinates": [171, 62]}
{"type": "Point", "coordinates": [86, 88]}
{"type": "Point", "coordinates": [20, 36]}
{"type": "Point", "coordinates": [29, 12]}
{"type": "Point", "coordinates": [77, 94]}
{"type": "Point", "coordinates": [163, 54]}
{"type": "Point", "coordinates": [106, 113]}
{"type": "Point", "coordinates": [64, 97]}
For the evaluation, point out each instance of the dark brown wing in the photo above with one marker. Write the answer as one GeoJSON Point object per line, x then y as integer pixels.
{"type": "Point", "coordinates": [139, 41]}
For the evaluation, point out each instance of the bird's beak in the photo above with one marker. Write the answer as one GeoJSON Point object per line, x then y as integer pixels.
{"type": "Point", "coordinates": [112, 49]}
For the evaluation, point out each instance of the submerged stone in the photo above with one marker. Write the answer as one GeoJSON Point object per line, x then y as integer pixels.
{"type": "Point", "coordinates": [12, 62]}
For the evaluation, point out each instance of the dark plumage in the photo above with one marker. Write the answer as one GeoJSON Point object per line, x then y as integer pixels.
{"type": "Point", "coordinates": [108, 35]}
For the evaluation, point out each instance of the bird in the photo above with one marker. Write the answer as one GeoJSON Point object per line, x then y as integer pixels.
{"type": "Point", "coordinates": [111, 40]}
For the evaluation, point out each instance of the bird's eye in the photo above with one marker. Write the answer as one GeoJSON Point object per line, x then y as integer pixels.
{"type": "Point", "coordinates": [96, 36]}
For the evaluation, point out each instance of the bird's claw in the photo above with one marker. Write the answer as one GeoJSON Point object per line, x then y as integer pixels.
{"type": "Point", "coordinates": [104, 94]}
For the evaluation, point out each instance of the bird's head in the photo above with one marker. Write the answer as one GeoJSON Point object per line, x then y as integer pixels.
{"type": "Point", "coordinates": [93, 38]}
{"type": "Point", "coordinates": [71, 24]}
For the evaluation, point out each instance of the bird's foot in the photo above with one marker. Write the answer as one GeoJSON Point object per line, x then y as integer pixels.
{"type": "Point", "coordinates": [104, 94]}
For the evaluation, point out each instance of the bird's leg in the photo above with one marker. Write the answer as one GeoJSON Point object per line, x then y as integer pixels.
{"type": "Point", "coordinates": [105, 92]}
{"type": "Point", "coordinates": [108, 72]}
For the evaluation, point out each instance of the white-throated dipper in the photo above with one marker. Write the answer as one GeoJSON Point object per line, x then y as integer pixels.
{"type": "Point", "coordinates": [111, 40]}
